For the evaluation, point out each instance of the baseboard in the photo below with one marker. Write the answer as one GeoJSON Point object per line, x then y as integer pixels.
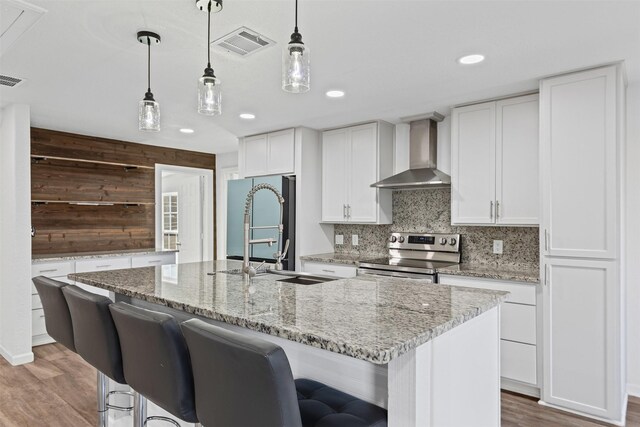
{"type": "Point", "coordinates": [518, 387]}
{"type": "Point", "coordinates": [633, 389]}
{"type": "Point", "coordinates": [16, 360]}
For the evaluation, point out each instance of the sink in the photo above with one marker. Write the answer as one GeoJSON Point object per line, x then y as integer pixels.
{"type": "Point", "coordinates": [306, 280]}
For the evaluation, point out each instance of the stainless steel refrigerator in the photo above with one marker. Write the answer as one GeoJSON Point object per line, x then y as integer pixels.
{"type": "Point", "coordinates": [265, 211]}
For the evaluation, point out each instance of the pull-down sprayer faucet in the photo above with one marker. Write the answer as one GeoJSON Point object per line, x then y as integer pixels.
{"type": "Point", "coordinates": [247, 269]}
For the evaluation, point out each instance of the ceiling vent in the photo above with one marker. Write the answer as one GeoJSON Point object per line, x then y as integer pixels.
{"type": "Point", "coordinates": [9, 81]}
{"type": "Point", "coordinates": [243, 42]}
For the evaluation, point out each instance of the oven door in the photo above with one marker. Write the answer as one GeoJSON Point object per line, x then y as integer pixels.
{"type": "Point", "coordinates": [399, 274]}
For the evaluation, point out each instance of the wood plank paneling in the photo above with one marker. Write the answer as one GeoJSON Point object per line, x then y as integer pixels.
{"type": "Point", "coordinates": [80, 181]}
{"type": "Point", "coordinates": [51, 143]}
{"type": "Point", "coordinates": [77, 168]}
{"type": "Point", "coordinates": [65, 228]}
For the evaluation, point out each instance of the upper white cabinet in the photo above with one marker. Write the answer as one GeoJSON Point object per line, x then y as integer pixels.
{"type": "Point", "coordinates": [579, 178]}
{"type": "Point", "coordinates": [268, 154]}
{"type": "Point", "coordinates": [353, 158]}
{"type": "Point", "coordinates": [494, 163]}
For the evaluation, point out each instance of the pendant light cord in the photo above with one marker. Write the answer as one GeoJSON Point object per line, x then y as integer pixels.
{"type": "Point", "coordinates": [209, 34]}
{"type": "Point", "coordinates": [149, 64]}
{"type": "Point", "coordinates": [296, 30]}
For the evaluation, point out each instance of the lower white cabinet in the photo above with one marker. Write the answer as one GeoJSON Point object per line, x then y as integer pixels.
{"type": "Point", "coordinates": [329, 269]}
{"type": "Point", "coordinates": [59, 270]}
{"type": "Point", "coordinates": [582, 324]}
{"type": "Point", "coordinates": [518, 330]}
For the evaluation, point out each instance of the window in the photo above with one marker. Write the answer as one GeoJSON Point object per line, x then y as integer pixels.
{"type": "Point", "coordinates": [169, 220]}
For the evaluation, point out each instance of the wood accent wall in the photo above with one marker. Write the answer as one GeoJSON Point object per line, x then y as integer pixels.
{"type": "Point", "coordinates": [67, 169]}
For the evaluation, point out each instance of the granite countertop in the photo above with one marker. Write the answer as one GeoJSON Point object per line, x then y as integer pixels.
{"type": "Point", "coordinates": [337, 258]}
{"type": "Point", "coordinates": [374, 319]}
{"type": "Point", "coordinates": [100, 254]}
{"type": "Point", "coordinates": [525, 273]}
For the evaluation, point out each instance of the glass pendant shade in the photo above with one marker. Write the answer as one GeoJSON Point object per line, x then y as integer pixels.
{"type": "Point", "coordinates": [296, 68]}
{"type": "Point", "coordinates": [149, 116]}
{"type": "Point", "coordinates": [209, 96]}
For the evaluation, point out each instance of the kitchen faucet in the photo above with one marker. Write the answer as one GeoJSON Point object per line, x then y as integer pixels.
{"type": "Point", "coordinates": [247, 269]}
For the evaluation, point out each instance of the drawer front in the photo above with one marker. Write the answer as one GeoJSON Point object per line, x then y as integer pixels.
{"type": "Point", "coordinates": [151, 260]}
{"type": "Point", "coordinates": [38, 326]}
{"type": "Point", "coordinates": [103, 264]}
{"type": "Point", "coordinates": [518, 361]}
{"type": "Point", "coordinates": [52, 269]}
{"type": "Point", "coordinates": [329, 269]}
{"type": "Point", "coordinates": [518, 323]}
{"type": "Point", "coordinates": [35, 302]}
{"type": "Point", "coordinates": [519, 292]}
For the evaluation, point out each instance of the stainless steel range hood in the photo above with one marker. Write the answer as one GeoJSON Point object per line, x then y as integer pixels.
{"type": "Point", "coordinates": [423, 151]}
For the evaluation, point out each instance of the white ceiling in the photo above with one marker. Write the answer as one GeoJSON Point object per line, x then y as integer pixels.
{"type": "Point", "coordinates": [85, 71]}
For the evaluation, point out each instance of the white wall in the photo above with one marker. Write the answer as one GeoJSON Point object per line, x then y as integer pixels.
{"type": "Point", "coordinates": [224, 162]}
{"type": "Point", "coordinates": [15, 240]}
{"type": "Point", "coordinates": [633, 238]}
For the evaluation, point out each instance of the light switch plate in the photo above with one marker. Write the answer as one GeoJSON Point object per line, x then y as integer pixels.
{"type": "Point", "coordinates": [497, 247]}
{"type": "Point", "coordinates": [339, 239]}
{"type": "Point", "coordinates": [354, 240]}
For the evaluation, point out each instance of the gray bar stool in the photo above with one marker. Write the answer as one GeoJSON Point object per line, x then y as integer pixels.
{"type": "Point", "coordinates": [57, 319]}
{"type": "Point", "coordinates": [246, 381]}
{"type": "Point", "coordinates": [96, 340]}
{"type": "Point", "coordinates": [156, 362]}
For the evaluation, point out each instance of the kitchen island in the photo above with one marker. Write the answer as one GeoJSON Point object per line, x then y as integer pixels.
{"type": "Point", "coordinates": [427, 353]}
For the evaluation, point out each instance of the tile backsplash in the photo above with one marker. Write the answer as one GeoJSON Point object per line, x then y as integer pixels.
{"type": "Point", "coordinates": [429, 211]}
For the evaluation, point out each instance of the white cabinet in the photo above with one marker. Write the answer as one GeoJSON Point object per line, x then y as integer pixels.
{"type": "Point", "coordinates": [153, 260]}
{"type": "Point", "coordinates": [353, 158]}
{"type": "Point", "coordinates": [582, 357]}
{"type": "Point", "coordinates": [268, 154]}
{"type": "Point", "coordinates": [329, 269]}
{"type": "Point", "coordinates": [518, 330]}
{"type": "Point", "coordinates": [581, 124]}
{"type": "Point", "coordinates": [494, 163]}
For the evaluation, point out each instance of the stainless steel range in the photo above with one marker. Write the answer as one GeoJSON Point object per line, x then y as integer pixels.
{"type": "Point", "coordinates": [416, 256]}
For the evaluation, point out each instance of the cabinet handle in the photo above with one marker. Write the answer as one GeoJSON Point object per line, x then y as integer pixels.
{"type": "Point", "coordinates": [497, 209]}
{"type": "Point", "coordinates": [348, 211]}
{"type": "Point", "coordinates": [491, 209]}
{"type": "Point", "coordinates": [546, 279]}
{"type": "Point", "coordinates": [328, 271]}
{"type": "Point", "coordinates": [344, 211]}
{"type": "Point", "coordinates": [103, 266]}
{"type": "Point", "coordinates": [51, 270]}
{"type": "Point", "coordinates": [155, 261]}
{"type": "Point", "coordinates": [546, 240]}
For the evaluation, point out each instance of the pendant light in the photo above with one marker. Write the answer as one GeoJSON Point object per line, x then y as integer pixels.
{"type": "Point", "coordinates": [209, 86]}
{"type": "Point", "coordinates": [148, 109]}
{"type": "Point", "coordinates": [295, 63]}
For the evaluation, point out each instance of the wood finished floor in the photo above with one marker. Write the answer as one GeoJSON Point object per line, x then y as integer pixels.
{"type": "Point", "coordinates": [58, 389]}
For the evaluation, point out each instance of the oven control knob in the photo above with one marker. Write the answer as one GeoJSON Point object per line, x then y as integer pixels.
{"type": "Point", "coordinates": [443, 240]}
{"type": "Point", "coordinates": [393, 239]}
{"type": "Point", "coordinates": [401, 239]}
{"type": "Point", "coordinates": [452, 241]}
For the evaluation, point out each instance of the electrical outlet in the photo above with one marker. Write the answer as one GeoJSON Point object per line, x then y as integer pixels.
{"type": "Point", "coordinates": [339, 239]}
{"type": "Point", "coordinates": [354, 240]}
{"type": "Point", "coordinates": [497, 247]}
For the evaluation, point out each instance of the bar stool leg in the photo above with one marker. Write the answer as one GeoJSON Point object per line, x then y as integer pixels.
{"type": "Point", "coordinates": [103, 391]}
{"type": "Point", "coordinates": [139, 410]}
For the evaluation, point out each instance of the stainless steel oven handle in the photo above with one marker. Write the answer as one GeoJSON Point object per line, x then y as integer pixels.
{"type": "Point", "coordinates": [396, 274]}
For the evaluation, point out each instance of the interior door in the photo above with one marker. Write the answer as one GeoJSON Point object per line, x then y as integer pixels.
{"type": "Point", "coordinates": [190, 227]}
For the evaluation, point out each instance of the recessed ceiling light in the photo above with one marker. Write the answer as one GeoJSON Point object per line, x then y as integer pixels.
{"type": "Point", "coordinates": [471, 59]}
{"type": "Point", "coordinates": [335, 94]}
{"type": "Point", "coordinates": [186, 130]}
{"type": "Point", "coordinates": [247, 116]}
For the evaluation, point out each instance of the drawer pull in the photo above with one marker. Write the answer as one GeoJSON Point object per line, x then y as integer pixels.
{"type": "Point", "coordinates": [42, 316]}
{"type": "Point", "coordinates": [51, 270]}
{"type": "Point", "coordinates": [103, 266]}
{"type": "Point", "coordinates": [328, 271]}
{"type": "Point", "coordinates": [155, 261]}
